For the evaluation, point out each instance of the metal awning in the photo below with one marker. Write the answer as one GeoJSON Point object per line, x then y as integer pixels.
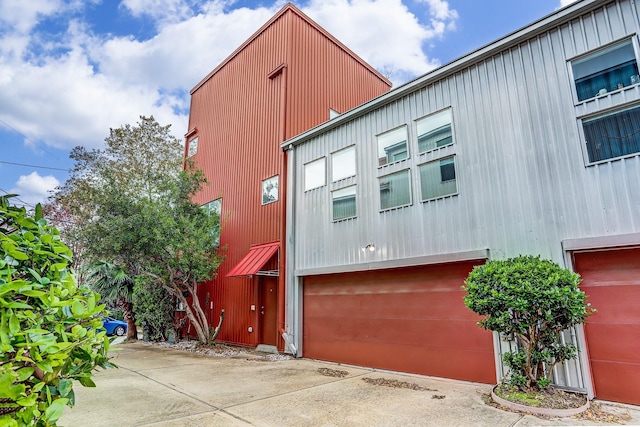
{"type": "Point", "coordinates": [255, 259]}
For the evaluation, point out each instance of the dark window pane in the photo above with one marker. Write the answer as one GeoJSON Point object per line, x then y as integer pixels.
{"type": "Point", "coordinates": [614, 135]}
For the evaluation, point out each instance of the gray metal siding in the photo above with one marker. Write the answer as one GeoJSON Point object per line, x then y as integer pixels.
{"type": "Point", "coordinates": [524, 184]}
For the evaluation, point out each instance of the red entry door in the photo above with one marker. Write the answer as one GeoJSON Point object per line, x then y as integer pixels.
{"type": "Point", "coordinates": [268, 310]}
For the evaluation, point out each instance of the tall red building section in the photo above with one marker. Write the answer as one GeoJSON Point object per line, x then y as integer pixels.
{"type": "Point", "coordinates": [282, 81]}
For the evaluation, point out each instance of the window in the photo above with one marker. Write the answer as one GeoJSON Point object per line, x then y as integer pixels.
{"type": "Point", "coordinates": [434, 131]}
{"type": "Point", "coordinates": [395, 190]}
{"type": "Point", "coordinates": [270, 190]}
{"type": "Point", "coordinates": [608, 69]}
{"type": "Point", "coordinates": [613, 134]}
{"type": "Point", "coordinates": [438, 178]}
{"type": "Point", "coordinates": [392, 146]}
{"type": "Point", "coordinates": [314, 174]}
{"type": "Point", "coordinates": [344, 203]}
{"type": "Point", "coordinates": [193, 147]}
{"type": "Point", "coordinates": [215, 207]}
{"type": "Point", "coordinates": [343, 164]}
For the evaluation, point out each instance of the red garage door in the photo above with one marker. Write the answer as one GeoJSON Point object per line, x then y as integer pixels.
{"type": "Point", "coordinates": [409, 320]}
{"type": "Point", "coordinates": [611, 279]}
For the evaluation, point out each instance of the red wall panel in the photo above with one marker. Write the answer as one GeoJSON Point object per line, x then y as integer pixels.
{"type": "Point", "coordinates": [241, 112]}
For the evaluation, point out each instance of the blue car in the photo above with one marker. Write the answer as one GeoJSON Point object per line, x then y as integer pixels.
{"type": "Point", "coordinates": [114, 326]}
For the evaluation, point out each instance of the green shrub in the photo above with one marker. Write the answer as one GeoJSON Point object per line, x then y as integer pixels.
{"type": "Point", "coordinates": [50, 329]}
{"type": "Point", "coordinates": [153, 307]}
{"type": "Point", "coordinates": [531, 300]}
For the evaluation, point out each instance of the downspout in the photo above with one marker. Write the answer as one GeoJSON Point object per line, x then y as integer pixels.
{"type": "Point", "coordinates": [291, 284]}
{"type": "Point", "coordinates": [283, 216]}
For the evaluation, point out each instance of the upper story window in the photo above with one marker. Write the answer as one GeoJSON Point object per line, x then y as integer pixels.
{"type": "Point", "coordinates": [434, 131]}
{"type": "Point", "coordinates": [315, 174]}
{"type": "Point", "coordinates": [193, 147]}
{"type": "Point", "coordinates": [613, 134]}
{"type": "Point", "coordinates": [438, 178]}
{"type": "Point", "coordinates": [344, 203]}
{"type": "Point", "coordinates": [605, 70]}
{"type": "Point", "coordinates": [270, 190]}
{"type": "Point", "coordinates": [215, 207]}
{"type": "Point", "coordinates": [392, 146]}
{"type": "Point", "coordinates": [395, 190]}
{"type": "Point", "coordinates": [343, 164]}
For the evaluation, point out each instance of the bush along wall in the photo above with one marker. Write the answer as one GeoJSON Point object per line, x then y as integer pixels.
{"type": "Point", "coordinates": [532, 300]}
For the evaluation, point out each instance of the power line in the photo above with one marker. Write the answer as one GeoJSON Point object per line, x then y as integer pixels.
{"type": "Point", "coordinates": [34, 166]}
{"type": "Point", "coordinates": [30, 140]}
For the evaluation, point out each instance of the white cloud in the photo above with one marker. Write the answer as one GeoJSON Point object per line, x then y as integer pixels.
{"type": "Point", "coordinates": [69, 89]}
{"type": "Point", "coordinates": [384, 32]}
{"type": "Point", "coordinates": [33, 188]}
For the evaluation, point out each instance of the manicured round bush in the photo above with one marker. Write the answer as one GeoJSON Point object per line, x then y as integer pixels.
{"type": "Point", "coordinates": [531, 300]}
{"type": "Point", "coordinates": [50, 329]}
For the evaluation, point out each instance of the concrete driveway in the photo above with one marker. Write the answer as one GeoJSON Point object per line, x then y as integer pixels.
{"type": "Point", "coordinates": [157, 386]}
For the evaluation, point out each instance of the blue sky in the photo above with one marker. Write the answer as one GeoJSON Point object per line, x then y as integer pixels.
{"type": "Point", "coordinates": [72, 69]}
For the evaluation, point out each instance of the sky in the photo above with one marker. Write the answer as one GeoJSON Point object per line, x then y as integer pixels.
{"type": "Point", "coordinates": [70, 70]}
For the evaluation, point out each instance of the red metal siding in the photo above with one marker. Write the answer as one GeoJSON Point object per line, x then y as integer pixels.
{"type": "Point", "coordinates": [242, 111]}
{"type": "Point", "coordinates": [410, 320]}
{"type": "Point", "coordinates": [611, 279]}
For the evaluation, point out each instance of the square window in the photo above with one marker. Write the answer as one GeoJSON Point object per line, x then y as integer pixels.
{"type": "Point", "coordinates": [193, 147]}
{"type": "Point", "coordinates": [270, 190]}
{"type": "Point", "coordinates": [314, 174]}
{"type": "Point", "coordinates": [434, 131]}
{"type": "Point", "coordinates": [605, 70]}
{"type": "Point", "coordinates": [438, 178]}
{"type": "Point", "coordinates": [343, 164]}
{"type": "Point", "coordinates": [344, 203]}
{"type": "Point", "coordinates": [395, 190]}
{"type": "Point", "coordinates": [613, 134]}
{"type": "Point", "coordinates": [392, 146]}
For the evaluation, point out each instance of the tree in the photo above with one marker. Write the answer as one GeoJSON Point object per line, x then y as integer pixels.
{"type": "Point", "coordinates": [154, 308]}
{"type": "Point", "coordinates": [532, 300]}
{"type": "Point", "coordinates": [133, 202]}
{"type": "Point", "coordinates": [50, 329]}
{"type": "Point", "coordinates": [115, 285]}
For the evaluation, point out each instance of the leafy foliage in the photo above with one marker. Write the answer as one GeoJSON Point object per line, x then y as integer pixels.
{"type": "Point", "coordinates": [50, 329]}
{"type": "Point", "coordinates": [132, 201]}
{"type": "Point", "coordinates": [153, 307]}
{"type": "Point", "coordinates": [532, 300]}
{"type": "Point", "coordinates": [116, 287]}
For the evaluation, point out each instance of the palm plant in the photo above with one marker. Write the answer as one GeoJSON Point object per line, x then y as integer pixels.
{"type": "Point", "coordinates": [115, 285]}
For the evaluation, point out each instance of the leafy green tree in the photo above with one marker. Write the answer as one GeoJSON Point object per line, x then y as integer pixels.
{"type": "Point", "coordinates": [116, 286]}
{"type": "Point", "coordinates": [532, 300]}
{"type": "Point", "coordinates": [133, 203]}
{"type": "Point", "coordinates": [50, 329]}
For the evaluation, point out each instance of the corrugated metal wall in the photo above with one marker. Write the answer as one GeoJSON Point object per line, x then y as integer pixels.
{"type": "Point", "coordinates": [522, 179]}
{"type": "Point", "coordinates": [238, 113]}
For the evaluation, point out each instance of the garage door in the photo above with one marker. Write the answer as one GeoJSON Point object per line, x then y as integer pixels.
{"type": "Point", "coordinates": [409, 320]}
{"type": "Point", "coordinates": [611, 279]}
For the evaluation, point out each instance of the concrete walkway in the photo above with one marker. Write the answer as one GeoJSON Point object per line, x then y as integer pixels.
{"type": "Point", "coordinates": [157, 386]}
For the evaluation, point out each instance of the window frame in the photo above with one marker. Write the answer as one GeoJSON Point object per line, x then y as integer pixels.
{"type": "Point", "coordinates": [333, 166]}
{"type": "Point", "coordinates": [410, 191]}
{"type": "Point", "coordinates": [455, 178]}
{"type": "Point", "coordinates": [601, 114]}
{"type": "Point", "coordinates": [448, 109]}
{"type": "Point", "coordinates": [379, 148]}
{"type": "Point", "coordinates": [277, 187]}
{"type": "Point", "coordinates": [355, 202]}
{"type": "Point", "coordinates": [209, 206]}
{"type": "Point", "coordinates": [191, 151]}
{"type": "Point", "coordinates": [632, 39]}
{"type": "Point", "coordinates": [322, 159]}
